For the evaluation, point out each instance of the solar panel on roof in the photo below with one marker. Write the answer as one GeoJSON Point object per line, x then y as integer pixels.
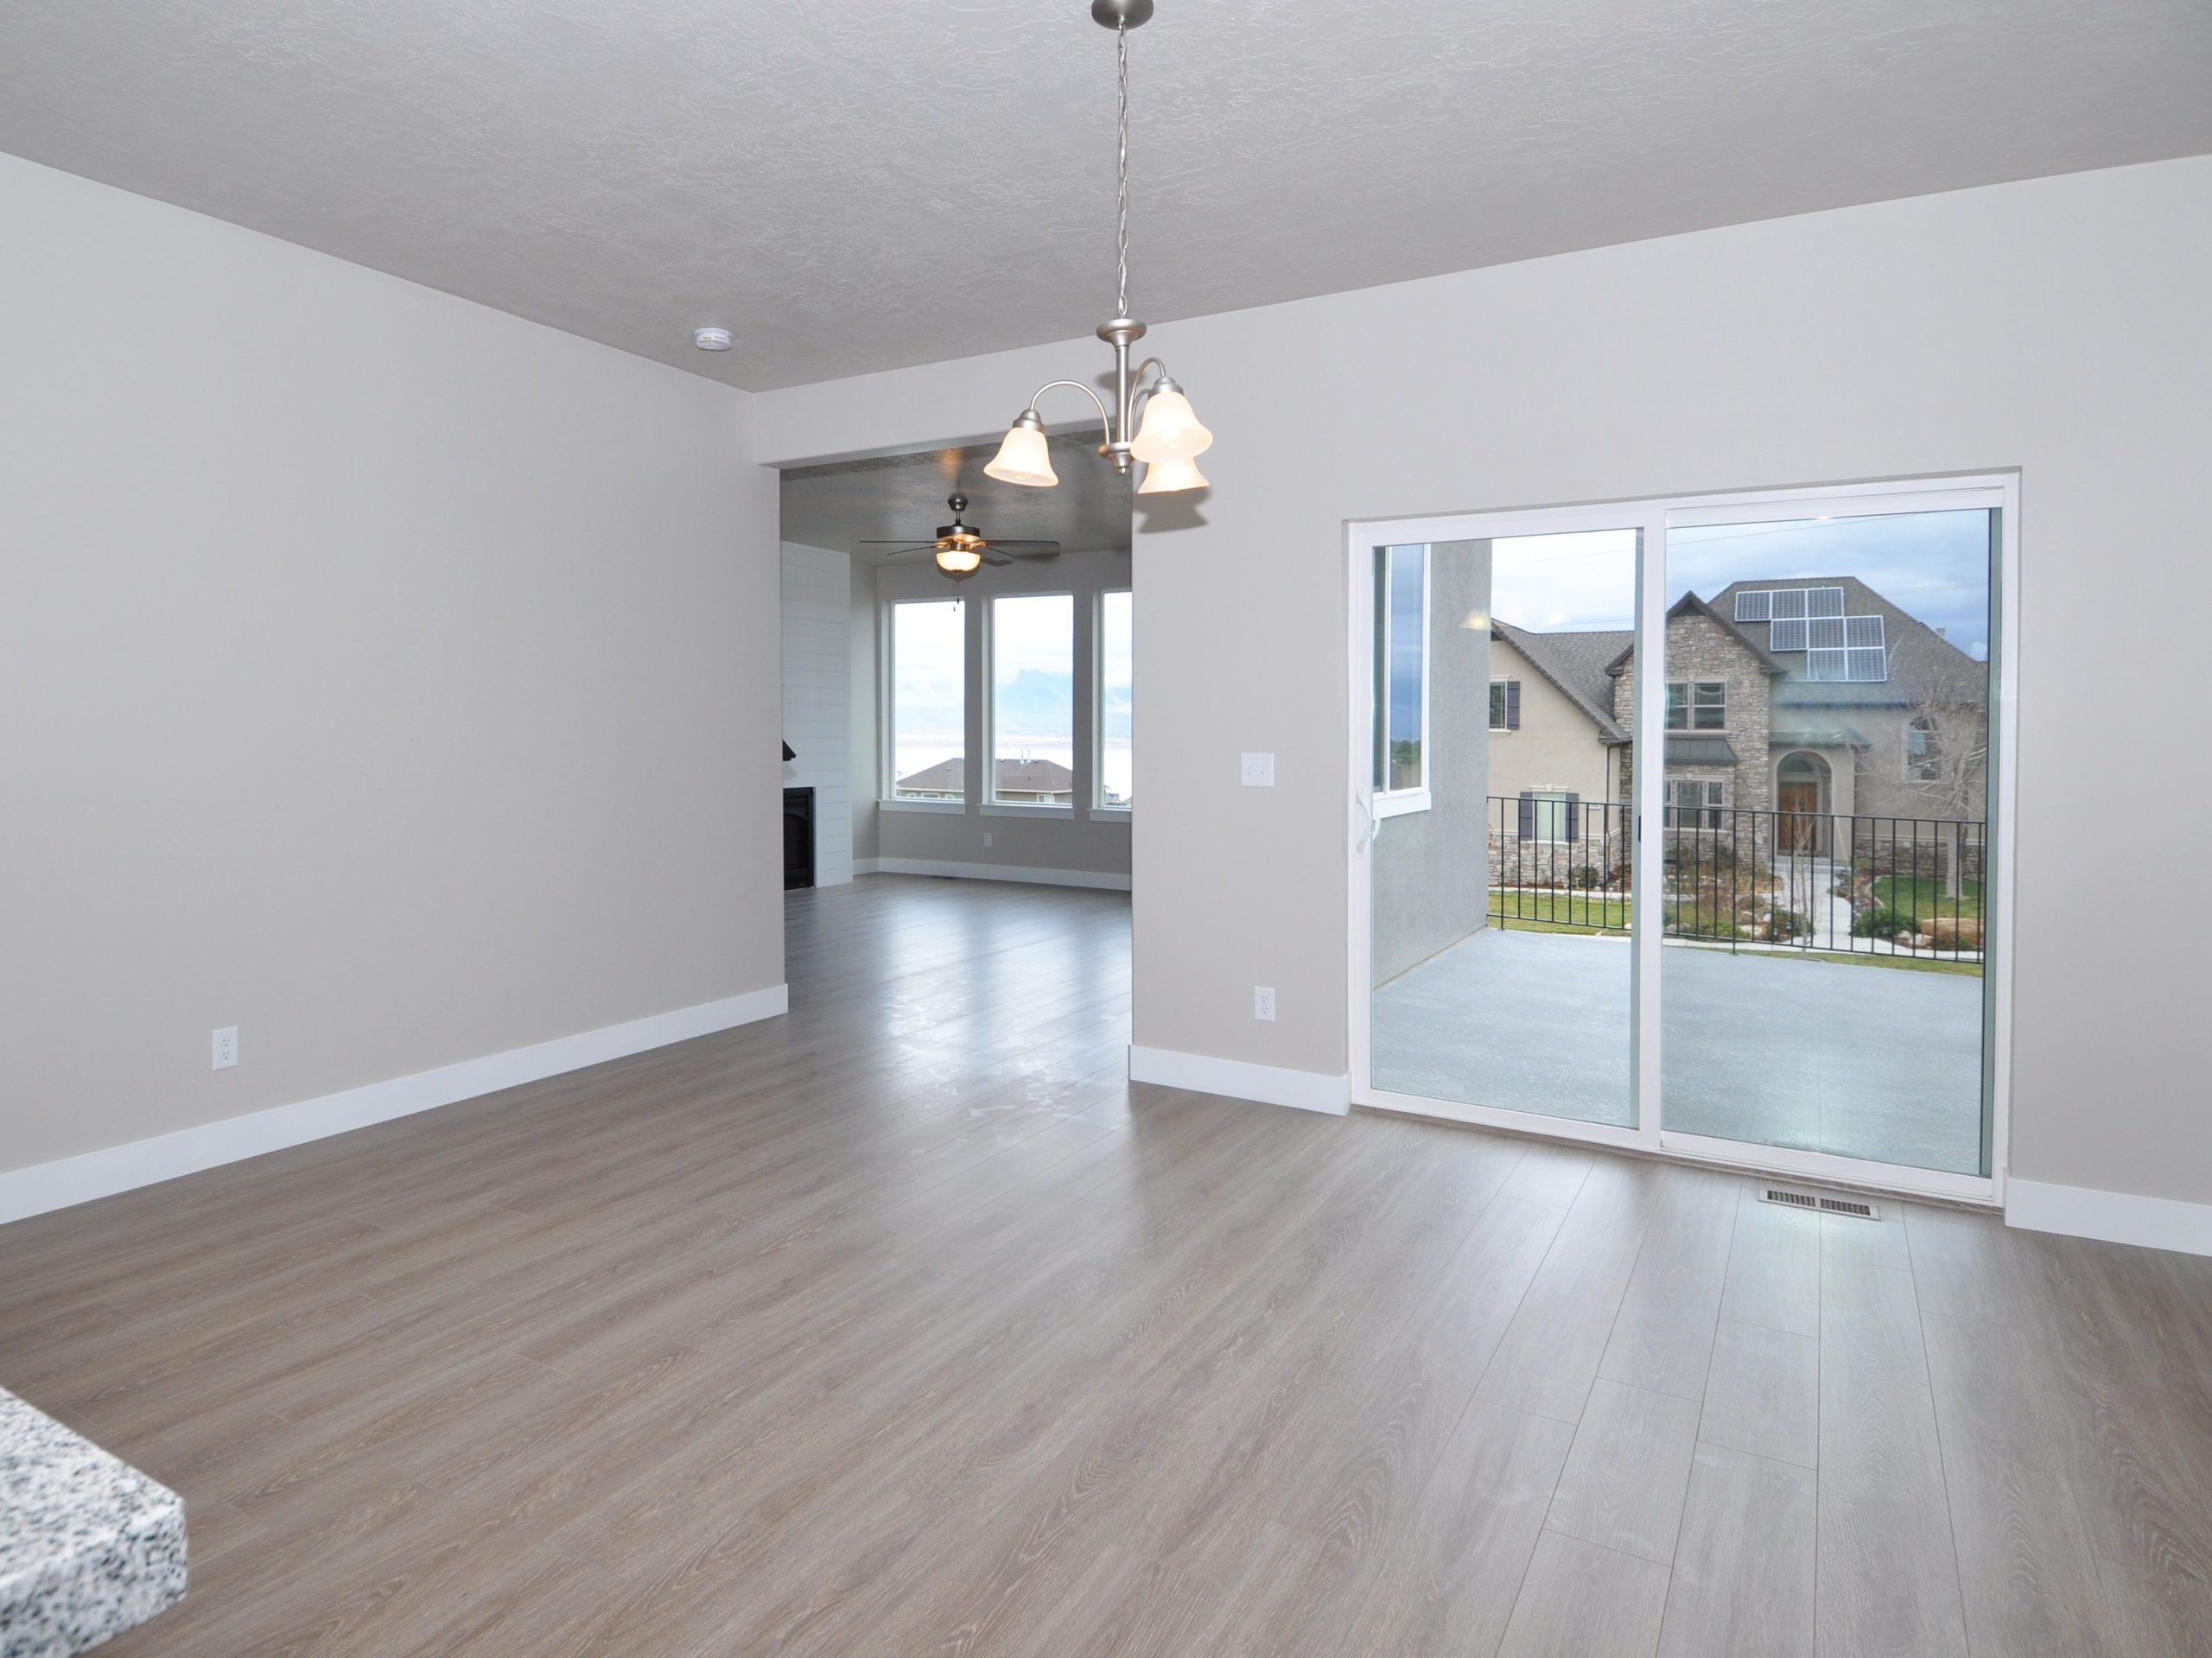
{"type": "Point", "coordinates": [1866, 632]}
{"type": "Point", "coordinates": [1825, 632]}
{"type": "Point", "coordinates": [1788, 635]}
{"type": "Point", "coordinates": [1755, 604]}
{"type": "Point", "coordinates": [1826, 665]}
{"type": "Point", "coordinates": [1867, 664]}
{"type": "Point", "coordinates": [1789, 604]}
{"type": "Point", "coordinates": [1824, 601]}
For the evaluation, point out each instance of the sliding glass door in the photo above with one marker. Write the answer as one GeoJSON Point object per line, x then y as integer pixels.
{"type": "Point", "coordinates": [1746, 907]}
{"type": "Point", "coordinates": [1827, 832]}
{"type": "Point", "coordinates": [1499, 960]}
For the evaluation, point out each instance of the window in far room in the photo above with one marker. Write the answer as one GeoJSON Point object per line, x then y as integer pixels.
{"type": "Point", "coordinates": [1033, 700]}
{"type": "Point", "coordinates": [1401, 770]}
{"type": "Point", "coordinates": [928, 723]}
{"type": "Point", "coordinates": [1116, 699]}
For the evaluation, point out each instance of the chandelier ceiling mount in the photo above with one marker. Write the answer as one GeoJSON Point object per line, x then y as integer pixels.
{"type": "Point", "coordinates": [1169, 439]}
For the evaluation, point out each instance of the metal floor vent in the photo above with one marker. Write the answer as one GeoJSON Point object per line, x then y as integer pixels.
{"type": "Point", "coordinates": [1820, 1202]}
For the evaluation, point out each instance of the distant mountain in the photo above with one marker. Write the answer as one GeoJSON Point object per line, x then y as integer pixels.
{"type": "Point", "coordinates": [1037, 702]}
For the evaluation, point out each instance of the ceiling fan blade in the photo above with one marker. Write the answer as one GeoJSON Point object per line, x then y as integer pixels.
{"type": "Point", "coordinates": [1023, 546]}
{"type": "Point", "coordinates": [988, 559]}
{"type": "Point", "coordinates": [1017, 553]}
{"type": "Point", "coordinates": [908, 542]}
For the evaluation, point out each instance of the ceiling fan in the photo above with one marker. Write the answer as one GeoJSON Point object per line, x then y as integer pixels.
{"type": "Point", "coordinates": [961, 550]}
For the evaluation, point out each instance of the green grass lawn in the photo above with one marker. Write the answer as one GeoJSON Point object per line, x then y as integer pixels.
{"type": "Point", "coordinates": [1559, 911]}
{"type": "Point", "coordinates": [1927, 899]}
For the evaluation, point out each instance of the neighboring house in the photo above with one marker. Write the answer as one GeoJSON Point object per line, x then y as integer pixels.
{"type": "Point", "coordinates": [1024, 781]}
{"type": "Point", "coordinates": [1814, 696]}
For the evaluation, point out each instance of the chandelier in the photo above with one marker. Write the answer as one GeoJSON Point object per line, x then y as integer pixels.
{"type": "Point", "coordinates": [1170, 439]}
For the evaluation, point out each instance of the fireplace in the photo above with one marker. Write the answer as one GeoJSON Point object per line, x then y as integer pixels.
{"type": "Point", "coordinates": [799, 838]}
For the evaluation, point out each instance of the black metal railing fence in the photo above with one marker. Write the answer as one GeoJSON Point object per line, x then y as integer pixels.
{"type": "Point", "coordinates": [1821, 882]}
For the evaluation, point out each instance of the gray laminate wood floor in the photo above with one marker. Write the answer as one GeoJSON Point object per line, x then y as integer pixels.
{"type": "Point", "coordinates": [904, 1325]}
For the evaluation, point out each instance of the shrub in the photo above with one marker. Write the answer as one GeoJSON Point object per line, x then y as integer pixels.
{"type": "Point", "coordinates": [1956, 932]}
{"type": "Point", "coordinates": [1586, 877]}
{"type": "Point", "coordinates": [1875, 921]}
{"type": "Point", "coordinates": [1688, 919]}
{"type": "Point", "coordinates": [1783, 925]}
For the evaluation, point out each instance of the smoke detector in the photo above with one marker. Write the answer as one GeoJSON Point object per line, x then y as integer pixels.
{"type": "Point", "coordinates": [710, 339]}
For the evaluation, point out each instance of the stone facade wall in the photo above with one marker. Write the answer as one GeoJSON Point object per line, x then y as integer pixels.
{"type": "Point", "coordinates": [1699, 648]}
{"type": "Point", "coordinates": [1925, 856]}
{"type": "Point", "coordinates": [1517, 862]}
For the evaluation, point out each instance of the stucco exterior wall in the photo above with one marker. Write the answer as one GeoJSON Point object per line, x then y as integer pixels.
{"type": "Point", "coordinates": [1432, 869]}
{"type": "Point", "coordinates": [1557, 748]}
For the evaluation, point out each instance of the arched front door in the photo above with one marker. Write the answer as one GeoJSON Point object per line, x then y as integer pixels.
{"type": "Point", "coordinates": [1801, 795]}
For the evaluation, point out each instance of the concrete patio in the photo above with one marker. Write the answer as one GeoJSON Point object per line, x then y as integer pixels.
{"type": "Point", "coordinates": [1853, 1059]}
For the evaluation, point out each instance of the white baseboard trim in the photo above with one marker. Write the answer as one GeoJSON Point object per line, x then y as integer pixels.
{"type": "Point", "coordinates": [1303, 1090]}
{"type": "Point", "coordinates": [2109, 1216]}
{"type": "Point", "coordinates": [1013, 871]}
{"type": "Point", "coordinates": [72, 1180]}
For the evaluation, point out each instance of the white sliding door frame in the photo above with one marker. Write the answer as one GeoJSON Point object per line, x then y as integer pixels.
{"type": "Point", "coordinates": [1652, 520]}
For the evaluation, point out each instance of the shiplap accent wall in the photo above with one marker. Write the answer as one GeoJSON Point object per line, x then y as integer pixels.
{"type": "Point", "coordinates": [817, 699]}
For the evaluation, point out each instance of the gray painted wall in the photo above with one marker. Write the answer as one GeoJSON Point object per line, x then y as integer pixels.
{"type": "Point", "coordinates": [2055, 325]}
{"type": "Point", "coordinates": [818, 698]}
{"type": "Point", "coordinates": [861, 701]}
{"type": "Point", "coordinates": [387, 677]}
{"type": "Point", "coordinates": [1432, 869]}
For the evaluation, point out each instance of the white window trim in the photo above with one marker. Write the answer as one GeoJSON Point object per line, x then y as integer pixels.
{"type": "Point", "coordinates": [886, 758]}
{"type": "Point", "coordinates": [1097, 809]}
{"type": "Point", "coordinates": [992, 805]}
{"type": "Point", "coordinates": [1497, 680]}
{"type": "Point", "coordinates": [1021, 809]}
{"type": "Point", "coordinates": [1399, 801]}
{"type": "Point", "coordinates": [1395, 802]}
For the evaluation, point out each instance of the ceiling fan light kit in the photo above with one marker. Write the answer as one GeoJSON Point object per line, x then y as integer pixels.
{"type": "Point", "coordinates": [1170, 433]}
{"type": "Point", "coordinates": [960, 550]}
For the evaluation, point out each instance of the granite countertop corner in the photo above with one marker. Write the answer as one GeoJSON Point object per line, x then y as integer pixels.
{"type": "Point", "coordinates": [89, 1546]}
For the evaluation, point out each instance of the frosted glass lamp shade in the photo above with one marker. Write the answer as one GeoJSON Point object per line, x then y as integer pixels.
{"type": "Point", "coordinates": [1165, 477]}
{"type": "Point", "coordinates": [1170, 431]}
{"type": "Point", "coordinates": [959, 561]}
{"type": "Point", "coordinates": [1023, 458]}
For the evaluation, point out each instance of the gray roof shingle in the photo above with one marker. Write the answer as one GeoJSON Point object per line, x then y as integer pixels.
{"type": "Point", "coordinates": [1576, 663]}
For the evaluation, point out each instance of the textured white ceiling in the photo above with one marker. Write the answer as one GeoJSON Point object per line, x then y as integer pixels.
{"type": "Point", "coordinates": [857, 184]}
{"type": "Point", "coordinates": [845, 503]}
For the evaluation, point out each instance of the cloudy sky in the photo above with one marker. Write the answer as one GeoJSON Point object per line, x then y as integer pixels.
{"type": "Point", "coordinates": [1934, 565]}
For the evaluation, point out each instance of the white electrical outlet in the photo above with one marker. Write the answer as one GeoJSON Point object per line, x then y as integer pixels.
{"type": "Point", "coordinates": [225, 1047]}
{"type": "Point", "coordinates": [987, 837]}
{"type": "Point", "coordinates": [1259, 770]}
{"type": "Point", "coordinates": [1263, 1003]}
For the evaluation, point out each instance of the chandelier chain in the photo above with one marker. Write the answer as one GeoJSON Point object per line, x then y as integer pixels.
{"type": "Point", "coordinates": [1121, 176]}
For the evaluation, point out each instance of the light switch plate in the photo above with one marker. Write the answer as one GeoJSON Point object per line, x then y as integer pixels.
{"type": "Point", "coordinates": [1259, 770]}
